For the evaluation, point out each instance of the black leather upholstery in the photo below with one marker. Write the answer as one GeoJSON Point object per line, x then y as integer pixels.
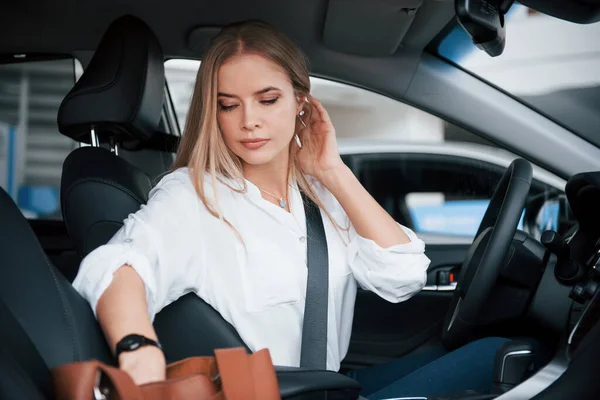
{"type": "Point", "coordinates": [121, 91]}
{"type": "Point", "coordinates": [98, 191]}
{"type": "Point", "coordinates": [40, 312]}
{"type": "Point", "coordinates": [17, 349]}
{"type": "Point", "coordinates": [303, 383]}
{"type": "Point", "coordinates": [201, 326]}
{"type": "Point", "coordinates": [190, 327]}
{"type": "Point", "coordinates": [15, 382]}
{"type": "Point", "coordinates": [119, 95]}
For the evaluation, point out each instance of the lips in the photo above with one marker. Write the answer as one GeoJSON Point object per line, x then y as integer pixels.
{"type": "Point", "coordinates": [254, 144]}
{"type": "Point", "coordinates": [254, 140]}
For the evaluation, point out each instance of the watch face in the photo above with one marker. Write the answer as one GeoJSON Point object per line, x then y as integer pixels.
{"type": "Point", "coordinates": [131, 342]}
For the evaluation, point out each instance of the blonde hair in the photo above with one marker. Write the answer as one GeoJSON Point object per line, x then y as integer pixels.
{"type": "Point", "coordinates": [203, 148]}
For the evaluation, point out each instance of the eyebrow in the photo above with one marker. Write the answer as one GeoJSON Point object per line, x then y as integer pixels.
{"type": "Point", "coordinates": [262, 91]}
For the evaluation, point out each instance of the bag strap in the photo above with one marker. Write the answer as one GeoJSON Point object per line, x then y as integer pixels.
{"type": "Point", "coordinates": [313, 352]}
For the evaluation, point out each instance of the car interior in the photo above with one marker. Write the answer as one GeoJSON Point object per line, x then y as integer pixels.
{"type": "Point", "coordinates": [509, 280]}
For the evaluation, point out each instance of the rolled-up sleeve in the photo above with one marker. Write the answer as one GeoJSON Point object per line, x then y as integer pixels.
{"type": "Point", "coordinates": [152, 242]}
{"type": "Point", "coordinates": [395, 273]}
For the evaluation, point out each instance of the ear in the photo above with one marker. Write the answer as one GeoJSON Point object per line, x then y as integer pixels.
{"type": "Point", "coordinates": [301, 102]}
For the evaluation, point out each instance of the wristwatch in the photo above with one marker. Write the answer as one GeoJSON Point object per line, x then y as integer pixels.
{"type": "Point", "coordinates": [133, 342]}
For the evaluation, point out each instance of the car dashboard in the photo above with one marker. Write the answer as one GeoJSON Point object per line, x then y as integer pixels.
{"type": "Point", "coordinates": [572, 299]}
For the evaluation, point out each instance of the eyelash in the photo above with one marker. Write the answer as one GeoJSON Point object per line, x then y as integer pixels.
{"type": "Point", "coordinates": [226, 108]}
{"type": "Point", "coordinates": [269, 102]}
{"type": "Point", "coordinates": [264, 102]}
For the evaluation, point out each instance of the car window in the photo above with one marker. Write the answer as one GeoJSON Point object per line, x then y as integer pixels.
{"type": "Point", "coordinates": [356, 113]}
{"type": "Point", "coordinates": [550, 64]}
{"type": "Point", "coordinates": [31, 148]}
{"type": "Point", "coordinates": [452, 217]}
{"type": "Point", "coordinates": [429, 174]}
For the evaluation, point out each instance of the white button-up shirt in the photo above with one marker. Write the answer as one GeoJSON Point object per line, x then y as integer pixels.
{"type": "Point", "coordinates": [259, 286]}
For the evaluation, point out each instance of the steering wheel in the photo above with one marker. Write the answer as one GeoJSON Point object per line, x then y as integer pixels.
{"type": "Point", "coordinates": [486, 255]}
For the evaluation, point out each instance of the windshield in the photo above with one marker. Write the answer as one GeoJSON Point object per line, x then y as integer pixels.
{"type": "Point", "coordinates": [550, 64]}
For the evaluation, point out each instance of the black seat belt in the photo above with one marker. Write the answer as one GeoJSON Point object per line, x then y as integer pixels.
{"type": "Point", "coordinates": [313, 352]}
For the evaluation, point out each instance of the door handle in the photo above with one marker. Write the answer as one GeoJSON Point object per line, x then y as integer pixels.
{"type": "Point", "coordinates": [445, 281]}
{"type": "Point", "coordinates": [440, 288]}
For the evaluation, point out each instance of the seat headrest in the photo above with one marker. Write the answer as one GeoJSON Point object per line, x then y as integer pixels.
{"type": "Point", "coordinates": [120, 93]}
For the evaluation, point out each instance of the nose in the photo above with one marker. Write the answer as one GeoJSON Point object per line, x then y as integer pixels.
{"type": "Point", "coordinates": [251, 118]}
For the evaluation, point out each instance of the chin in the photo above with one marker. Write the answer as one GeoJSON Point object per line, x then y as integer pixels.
{"type": "Point", "coordinates": [253, 157]}
{"type": "Point", "coordinates": [255, 161]}
{"type": "Point", "coordinates": [265, 155]}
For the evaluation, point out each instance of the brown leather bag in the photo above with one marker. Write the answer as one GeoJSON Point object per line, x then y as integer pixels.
{"type": "Point", "coordinates": [231, 375]}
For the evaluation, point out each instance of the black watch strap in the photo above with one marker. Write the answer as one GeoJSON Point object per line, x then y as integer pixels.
{"type": "Point", "coordinates": [133, 342]}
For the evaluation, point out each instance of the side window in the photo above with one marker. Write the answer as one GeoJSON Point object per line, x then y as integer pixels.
{"type": "Point", "coordinates": [438, 195]}
{"type": "Point", "coordinates": [181, 78]}
{"type": "Point", "coordinates": [430, 175]}
{"type": "Point", "coordinates": [31, 148]}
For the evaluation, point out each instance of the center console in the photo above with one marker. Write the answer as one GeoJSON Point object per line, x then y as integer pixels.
{"type": "Point", "coordinates": [307, 384]}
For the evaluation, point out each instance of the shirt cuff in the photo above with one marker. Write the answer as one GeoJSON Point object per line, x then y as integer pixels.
{"type": "Point", "coordinates": [376, 255]}
{"type": "Point", "coordinates": [97, 268]}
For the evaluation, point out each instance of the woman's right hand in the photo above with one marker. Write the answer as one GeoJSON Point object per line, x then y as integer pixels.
{"type": "Point", "coordinates": [144, 365]}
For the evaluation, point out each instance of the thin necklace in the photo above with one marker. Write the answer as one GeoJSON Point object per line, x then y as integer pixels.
{"type": "Point", "coordinates": [282, 202]}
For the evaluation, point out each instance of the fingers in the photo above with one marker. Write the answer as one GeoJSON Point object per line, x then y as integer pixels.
{"type": "Point", "coordinates": [320, 110]}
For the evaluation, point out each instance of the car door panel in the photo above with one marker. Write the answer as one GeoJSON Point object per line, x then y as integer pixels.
{"type": "Point", "coordinates": [383, 330]}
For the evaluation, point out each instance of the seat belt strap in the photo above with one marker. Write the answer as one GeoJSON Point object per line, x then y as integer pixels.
{"type": "Point", "coordinates": [314, 328]}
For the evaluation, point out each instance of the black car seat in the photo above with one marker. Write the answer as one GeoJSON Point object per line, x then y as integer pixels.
{"type": "Point", "coordinates": [118, 99]}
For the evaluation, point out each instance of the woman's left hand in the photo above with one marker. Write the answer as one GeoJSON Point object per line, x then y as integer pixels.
{"type": "Point", "coordinates": [319, 154]}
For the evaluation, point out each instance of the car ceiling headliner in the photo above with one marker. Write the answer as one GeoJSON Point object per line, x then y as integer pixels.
{"type": "Point", "coordinates": [69, 26]}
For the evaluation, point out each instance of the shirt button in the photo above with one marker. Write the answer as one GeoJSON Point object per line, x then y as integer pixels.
{"type": "Point", "coordinates": [302, 239]}
{"type": "Point", "coordinates": [127, 241]}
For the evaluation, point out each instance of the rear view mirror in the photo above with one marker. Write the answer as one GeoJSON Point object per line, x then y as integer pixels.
{"type": "Point", "coordinates": [484, 22]}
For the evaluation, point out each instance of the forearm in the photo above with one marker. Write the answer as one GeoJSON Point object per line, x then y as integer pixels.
{"type": "Point", "coordinates": [122, 309]}
{"type": "Point", "coordinates": [369, 219]}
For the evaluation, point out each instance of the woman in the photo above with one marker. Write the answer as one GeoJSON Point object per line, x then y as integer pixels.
{"type": "Point", "coordinates": [228, 222]}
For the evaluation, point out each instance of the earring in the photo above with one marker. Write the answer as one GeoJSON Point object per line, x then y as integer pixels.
{"type": "Point", "coordinates": [300, 118]}
{"type": "Point", "coordinates": [298, 142]}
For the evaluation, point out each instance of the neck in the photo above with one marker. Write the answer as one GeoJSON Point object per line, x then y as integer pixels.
{"type": "Point", "coordinates": [272, 177]}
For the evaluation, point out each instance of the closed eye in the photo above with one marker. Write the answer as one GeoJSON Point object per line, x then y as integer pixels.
{"type": "Point", "coordinates": [265, 102]}
{"type": "Point", "coordinates": [227, 108]}
{"type": "Point", "coordinates": [270, 101]}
